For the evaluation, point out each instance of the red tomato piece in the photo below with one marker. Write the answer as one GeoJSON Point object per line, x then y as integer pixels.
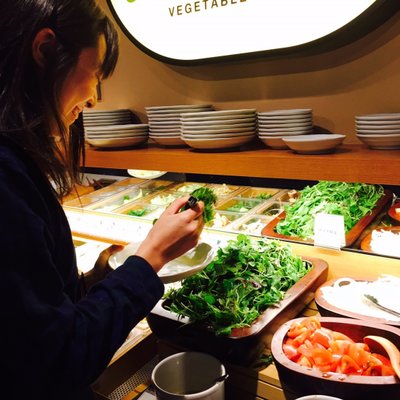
{"type": "Point", "coordinates": [290, 352]}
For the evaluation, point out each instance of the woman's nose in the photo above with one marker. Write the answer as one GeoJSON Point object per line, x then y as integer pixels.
{"type": "Point", "coordinates": [90, 103]}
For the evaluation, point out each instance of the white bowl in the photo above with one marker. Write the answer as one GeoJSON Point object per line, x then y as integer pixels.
{"type": "Point", "coordinates": [314, 144]}
{"type": "Point", "coordinates": [381, 142]}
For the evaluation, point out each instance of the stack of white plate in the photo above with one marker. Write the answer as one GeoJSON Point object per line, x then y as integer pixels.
{"type": "Point", "coordinates": [219, 129]}
{"type": "Point", "coordinates": [165, 122]}
{"type": "Point", "coordinates": [113, 129]}
{"type": "Point", "coordinates": [110, 117]}
{"type": "Point", "coordinates": [273, 125]}
{"type": "Point", "coordinates": [379, 131]}
{"type": "Point", "coordinates": [114, 136]}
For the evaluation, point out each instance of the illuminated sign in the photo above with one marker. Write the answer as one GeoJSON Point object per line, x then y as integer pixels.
{"type": "Point", "coordinates": [193, 31]}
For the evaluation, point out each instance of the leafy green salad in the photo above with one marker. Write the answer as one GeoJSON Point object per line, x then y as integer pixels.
{"type": "Point", "coordinates": [352, 200]}
{"type": "Point", "coordinates": [245, 278]}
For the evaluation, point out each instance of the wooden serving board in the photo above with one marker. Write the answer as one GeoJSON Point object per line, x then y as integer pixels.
{"type": "Point", "coordinates": [244, 345]}
{"type": "Point", "coordinates": [351, 236]}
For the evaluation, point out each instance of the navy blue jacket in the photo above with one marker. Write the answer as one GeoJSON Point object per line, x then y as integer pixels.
{"type": "Point", "coordinates": [54, 344]}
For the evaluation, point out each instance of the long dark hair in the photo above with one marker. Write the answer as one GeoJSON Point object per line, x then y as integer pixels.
{"type": "Point", "coordinates": [29, 94]}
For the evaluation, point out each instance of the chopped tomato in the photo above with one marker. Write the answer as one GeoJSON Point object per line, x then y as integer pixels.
{"type": "Point", "coordinates": [313, 346]}
{"type": "Point", "coordinates": [321, 336]}
{"type": "Point", "coordinates": [290, 352]}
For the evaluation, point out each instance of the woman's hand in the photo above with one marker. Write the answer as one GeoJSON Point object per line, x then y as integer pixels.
{"type": "Point", "coordinates": [173, 234]}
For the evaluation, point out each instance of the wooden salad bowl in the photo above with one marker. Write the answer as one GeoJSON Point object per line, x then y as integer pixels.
{"type": "Point", "coordinates": [304, 381]}
{"type": "Point", "coordinates": [351, 236]}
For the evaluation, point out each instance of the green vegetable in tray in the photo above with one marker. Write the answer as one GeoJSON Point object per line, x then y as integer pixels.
{"type": "Point", "coordinates": [352, 200]}
{"type": "Point", "coordinates": [137, 213]}
{"type": "Point", "coordinates": [244, 279]}
{"type": "Point", "coordinates": [209, 198]}
{"type": "Point", "coordinates": [242, 206]}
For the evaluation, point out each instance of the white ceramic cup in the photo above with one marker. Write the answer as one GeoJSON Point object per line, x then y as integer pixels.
{"type": "Point", "coordinates": [189, 376]}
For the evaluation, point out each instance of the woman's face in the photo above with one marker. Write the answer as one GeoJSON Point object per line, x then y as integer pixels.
{"type": "Point", "coordinates": [79, 89]}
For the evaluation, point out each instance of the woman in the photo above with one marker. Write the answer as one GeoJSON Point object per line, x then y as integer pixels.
{"type": "Point", "coordinates": [54, 343]}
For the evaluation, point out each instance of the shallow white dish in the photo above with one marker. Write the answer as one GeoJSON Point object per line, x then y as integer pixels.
{"type": "Point", "coordinates": [118, 142]}
{"type": "Point", "coordinates": [314, 144]}
{"type": "Point", "coordinates": [145, 174]}
{"type": "Point", "coordinates": [381, 142]}
{"type": "Point", "coordinates": [186, 265]}
{"type": "Point", "coordinates": [219, 143]}
{"type": "Point", "coordinates": [177, 107]}
{"type": "Point", "coordinates": [280, 132]}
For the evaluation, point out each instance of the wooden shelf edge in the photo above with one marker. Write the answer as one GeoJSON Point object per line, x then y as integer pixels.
{"type": "Point", "coordinates": [350, 163]}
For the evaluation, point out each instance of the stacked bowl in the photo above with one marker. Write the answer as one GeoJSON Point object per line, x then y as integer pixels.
{"type": "Point", "coordinates": [214, 130]}
{"type": "Point", "coordinates": [273, 125]}
{"type": "Point", "coordinates": [113, 129]}
{"type": "Point", "coordinates": [165, 122]}
{"type": "Point", "coordinates": [379, 131]}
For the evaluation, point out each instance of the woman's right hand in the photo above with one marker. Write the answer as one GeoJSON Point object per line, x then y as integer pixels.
{"type": "Point", "coordinates": [173, 234]}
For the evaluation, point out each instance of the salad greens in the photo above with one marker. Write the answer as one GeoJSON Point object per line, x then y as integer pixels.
{"type": "Point", "coordinates": [352, 200]}
{"type": "Point", "coordinates": [209, 198]}
{"type": "Point", "coordinates": [245, 278]}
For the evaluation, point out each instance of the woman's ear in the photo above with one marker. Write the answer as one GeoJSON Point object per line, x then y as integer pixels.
{"type": "Point", "coordinates": [44, 41]}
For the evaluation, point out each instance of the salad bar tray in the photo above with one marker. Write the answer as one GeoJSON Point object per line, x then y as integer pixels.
{"type": "Point", "coordinates": [351, 236]}
{"type": "Point", "coordinates": [244, 345]}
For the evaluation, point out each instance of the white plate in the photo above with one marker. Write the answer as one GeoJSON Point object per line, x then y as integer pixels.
{"type": "Point", "coordinates": [285, 125]}
{"type": "Point", "coordinates": [381, 142]}
{"type": "Point", "coordinates": [186, 265]}
{"type": "Point", "coordinates": [216, 136]}
{"type": "Point", "coordinates": [379, 117]}
{"type": "Point", "coordinates": [157, 133]}
{"type": "Point", "coordinates": [223, 143]}
{"type": "Point", "coordinates": [198, 117]}
{"type": "Point", "coordinates": [275, 142]}
{"type": "Point", "coordinates": [314, 144]}
{"type": "Point", "coordinates": [123, 127]}
{"type": "Point", "coordinates": [201, 127]}
{"type": "Point", "coordinates": [117, 135]}
{"type": "Point", "coordinates": [279, 132]}
{"type": "Point", "coordinates": [242, 113]}
{"type": "Point", "coordinates": [295, 111]}
{"type": "Point", "coordinates": [117, 142]}
{"type": "Point", "coordinates": [378, 131]}
{"type": "Point", "coordinates": [169, 140]}
{"type": "Point", "coordinates": [217, 131]}
{"type": "Point", "coordinates": [177, 106]}
{"type": "Point", "coordinates": [222, 121]}
{"type": "Point", "coordinates": [145, 174]}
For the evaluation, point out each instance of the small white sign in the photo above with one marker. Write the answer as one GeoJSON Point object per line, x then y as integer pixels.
{"type": "Point", "coordinates": [329, 231]}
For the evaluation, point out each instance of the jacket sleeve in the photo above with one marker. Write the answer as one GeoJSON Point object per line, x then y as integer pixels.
{"type": "Point", "coordinates": [46, 337]}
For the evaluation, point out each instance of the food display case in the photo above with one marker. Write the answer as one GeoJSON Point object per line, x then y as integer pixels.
{"type": "Point", "coordinates": [350, 165]}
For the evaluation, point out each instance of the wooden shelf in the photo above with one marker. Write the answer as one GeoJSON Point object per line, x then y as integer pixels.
{"type": "Point", "coordinates": [350, 163]}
